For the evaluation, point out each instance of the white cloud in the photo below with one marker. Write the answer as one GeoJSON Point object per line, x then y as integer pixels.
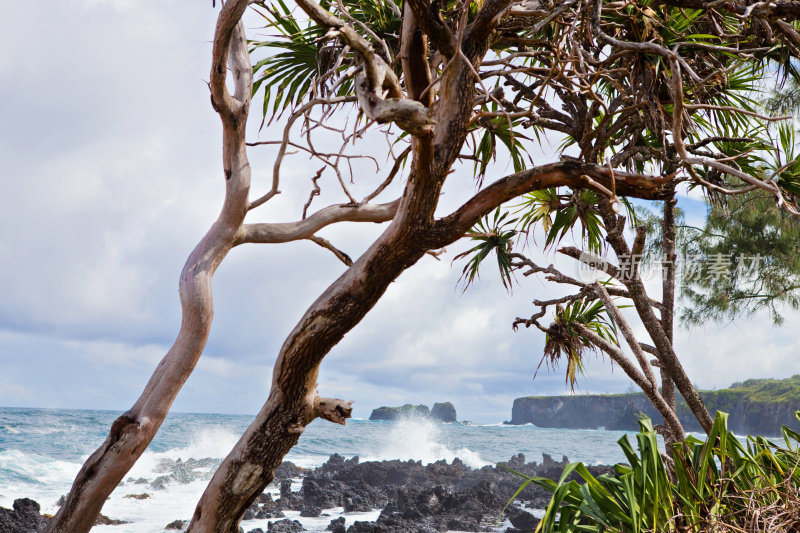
{"type": "Point", "coordinates": [111, 165]}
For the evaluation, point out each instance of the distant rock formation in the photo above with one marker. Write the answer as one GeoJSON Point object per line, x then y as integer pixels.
{"type": "Point", "coordinates": [444, 412]}
{"type": "Point", "coordinates": [621, 412]}
{"type": "Point", "coordinates": [404, 411]}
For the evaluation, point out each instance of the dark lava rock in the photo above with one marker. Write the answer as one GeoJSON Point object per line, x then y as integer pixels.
{"type": "Point", "coordinates": [23, 518]}
{"type": "Point", "coordinates": [288, 469]}
{"type": "Point", "coordinates": [521, 519]}
{"type": "Point", "coordinates": [103, 520]}
{"type": "Point", "coordinates": [289, 500]}
{"type": "Point", "coordinates": [322, 492]}
{"type": "Point", "coordinates": [176, 524]}
{"type": "Point", "coordinates": [310, 512]}
{"type": "Point", "coordinates": [365, 527]}
{"type": "Point", "coordinates": [336, 525]}
{"type": "Point", "coordinates": [285, 526]}
{"type": "Point", "coordinates": [444, 412]}
{"type": "Point", "coordinates": [251, 512]}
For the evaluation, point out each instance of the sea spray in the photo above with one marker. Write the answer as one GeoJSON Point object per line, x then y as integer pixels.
{"type": "Point", "coordinates": [420, 439]}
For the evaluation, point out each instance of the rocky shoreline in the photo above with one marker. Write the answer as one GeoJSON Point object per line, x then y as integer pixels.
{"type": "Point", "coordinates": [412, 497]}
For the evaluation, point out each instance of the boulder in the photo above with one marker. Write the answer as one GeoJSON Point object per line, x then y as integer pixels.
{"type": "Point", "coordinates": [23, 518]}
{"type": "Point", "coordinates": [285, 526]}
{"type": "Point", "coordinates": [336, 525]}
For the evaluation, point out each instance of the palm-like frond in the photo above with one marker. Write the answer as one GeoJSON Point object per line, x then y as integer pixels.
{"type": "Point", "coordinates": [564, 340]}
{"type": "Point", "coordinates": [299, 57]}
{"type": "Point", "coordinates": [559, 214]}
{"type": "Point", "coordinates": [499, 129]}
{"type": "Point", "coordinates": [296, 59]}
{"type": "Point", "coordinates": [495, 233]}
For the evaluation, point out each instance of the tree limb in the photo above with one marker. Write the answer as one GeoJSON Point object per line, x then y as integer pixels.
{"type": "Point", "coordinates": [275, 232]}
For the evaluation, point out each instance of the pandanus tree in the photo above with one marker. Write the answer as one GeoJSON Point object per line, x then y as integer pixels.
{"type": "Point", "coordinates": [646, 96]}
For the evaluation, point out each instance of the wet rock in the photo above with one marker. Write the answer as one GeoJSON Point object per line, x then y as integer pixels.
{"type": "Point", "coordinates": [521, 519]}
{"type": "Point", "coordinates": [142, 496]}
{"type": "Point", "coordinates": [285, 526]}
{"type": "Point", "coordinates": [322, 492]}
{"type": "Point", "coordinates": [256, 530]}
{"type": "Point", "coordinates": [159, 483]}
{"type": "Point", "coordinates": [310, 512]}
{"type": "Point", "coordinates": [289, 500]}
{"type": "Point", "coordinates": [251, 512]}
{"type": "Point", "coordinates": [288, 470]}
{"type": "Point", "coordinates": [176, 525]}
{"type": "Point", "coordinates": [24, 517]}
{"type": "Point", "coordinates": [103, 520]}
{"type": "Point", "coordinates": [337, 525]}
{"type": "Point", "coordinates": [365, 527]}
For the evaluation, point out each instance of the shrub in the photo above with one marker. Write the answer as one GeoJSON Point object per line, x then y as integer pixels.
{"type": "Point", "coordinates": [719, 484]}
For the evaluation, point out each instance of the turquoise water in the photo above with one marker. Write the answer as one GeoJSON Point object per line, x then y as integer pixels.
{"type": "Point", "coordinates": [41, 450]}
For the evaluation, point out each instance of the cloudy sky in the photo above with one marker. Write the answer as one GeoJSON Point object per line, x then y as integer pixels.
{"type": "Point", "coordinates": [110, 158]}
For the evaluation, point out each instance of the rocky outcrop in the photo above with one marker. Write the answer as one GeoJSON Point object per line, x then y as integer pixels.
{"type": "Point", "coordinates": [433, 498]}
{"type": "Point", "coordinates": [444, 412]}
{"type": "Point", "coordinates": [23, 518]}
{"type": "Point", "coordinates": [404, 411]}
{"type": "Point", "coordinates": [621, 412]}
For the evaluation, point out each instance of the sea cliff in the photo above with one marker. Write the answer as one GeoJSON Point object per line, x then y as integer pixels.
{"type": "Point", "coordinates": [756, 407]}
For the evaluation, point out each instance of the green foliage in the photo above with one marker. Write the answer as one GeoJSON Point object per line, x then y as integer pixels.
{"type": "Point", "coordinates": [499, 129]}
{"type": "Point", "coordinates": [305, 60]}
{"type": "Point", "coordinates": [560, 213]}
{"type": "Point", "coordinates": [565, 341]}
{"type": "Point", "coordinates": [755, 244]}
{"type": "Point", "coordinates": [718, 484]}
{"type": "Point", "coordinates": [288, 73]}
{"type": "Point", "coordinates": [496, 234]}
{"type": "Point", "coordinates": [767, 390]}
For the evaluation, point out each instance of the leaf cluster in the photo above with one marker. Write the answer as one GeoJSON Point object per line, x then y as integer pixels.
{"type": "Point", "coordinates": [719, 484]}
{"type": "Point", "coordinates": [565, 342]}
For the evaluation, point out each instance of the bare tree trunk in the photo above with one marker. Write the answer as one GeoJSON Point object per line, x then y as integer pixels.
{"type": "Point", "coordinates": [132, 432]}
{"type": "Point", "coordinates": [668, 289]}
{"type": "Point", "coordinates": [666, 355]}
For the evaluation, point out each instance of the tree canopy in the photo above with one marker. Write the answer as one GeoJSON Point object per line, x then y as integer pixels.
{"type": "Point", "coordinates": [644, 97]}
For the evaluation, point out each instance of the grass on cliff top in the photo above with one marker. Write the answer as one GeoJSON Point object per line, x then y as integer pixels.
{"type": "Point", "coordinates": [754, 390]}
{"type": "Point", "coordinates": [769, 390]}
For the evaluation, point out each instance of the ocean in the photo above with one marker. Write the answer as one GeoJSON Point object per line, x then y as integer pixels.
{"type": "Point", "coordinates": [41, 451]}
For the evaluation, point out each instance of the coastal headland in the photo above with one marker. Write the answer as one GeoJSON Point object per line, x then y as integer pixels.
{"type": "Point", "coordinates": [755, 407]}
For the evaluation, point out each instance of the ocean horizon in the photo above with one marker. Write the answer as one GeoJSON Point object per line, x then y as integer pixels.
{"type": "Point", "coordinates": [41, 451]}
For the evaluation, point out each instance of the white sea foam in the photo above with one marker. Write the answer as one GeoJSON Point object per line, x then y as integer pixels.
{"type": "Point", "coordinates": [213, 442]}
{"type": "Point", "coordinates": [419, 439]}
{"type": "Point", "coordinates": [33, 476]}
